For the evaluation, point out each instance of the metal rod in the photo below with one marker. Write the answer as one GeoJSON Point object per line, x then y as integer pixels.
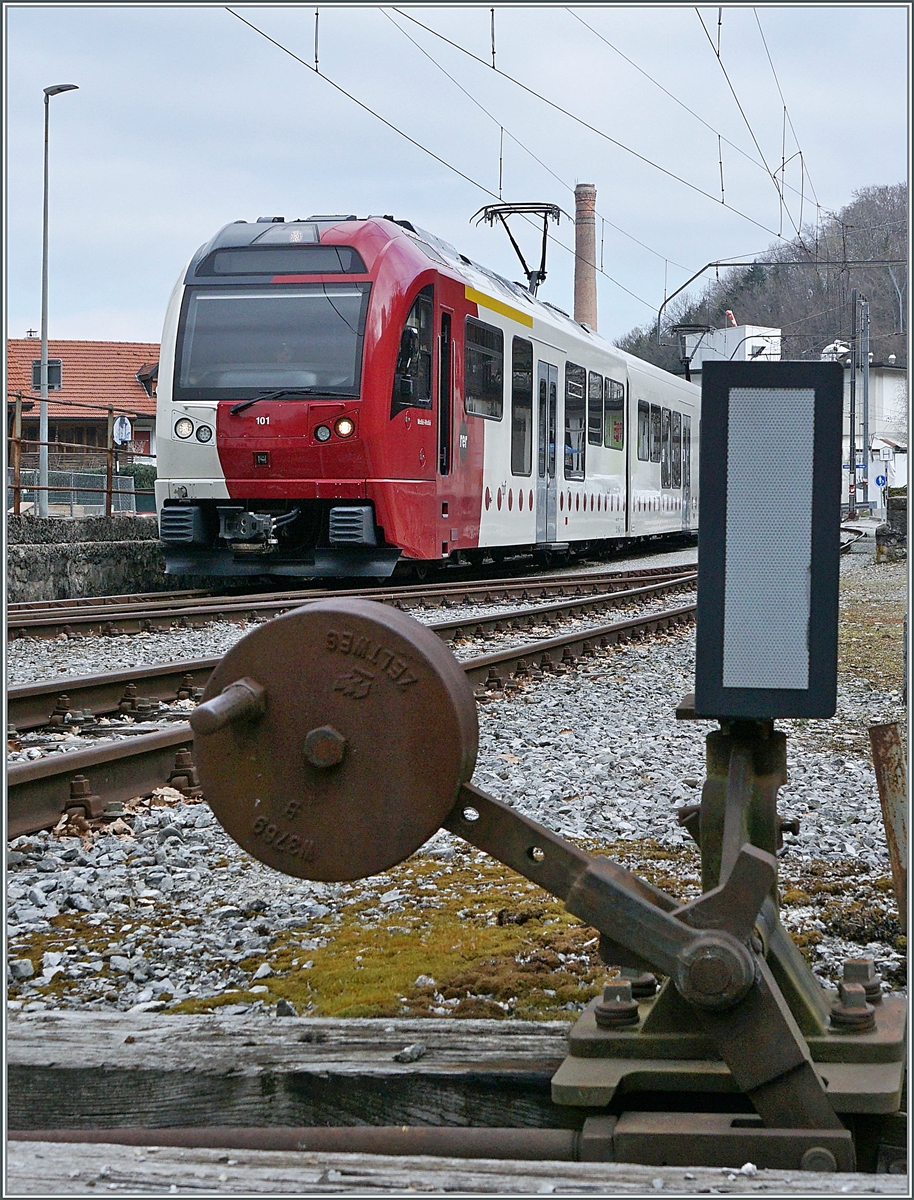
{"type": "Point", "coordinates": [16, 454]}
{"type": "Point", "coordinates": [557, 1145]}
{"type": "Point", "coordinates": [852, 457]}
{"type": "Point", "coordinates": [890, 763]}
{"type": "Point", "coordinates": [865, 362]}
{"type": "Point", "coordinates": [109, 469]}
{"type": "Point", "coordinates": [43, 378]}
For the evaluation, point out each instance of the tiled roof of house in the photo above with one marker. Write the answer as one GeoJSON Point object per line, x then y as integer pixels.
{"type": "Point", "coordinates": [94, 373]}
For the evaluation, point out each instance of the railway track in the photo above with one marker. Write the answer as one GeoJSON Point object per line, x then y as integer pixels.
{"type": "Point", "coordinates": [95, 781]}
{"type": "Point", "coordinates": [32, 705]}
{"type": "Point", "coordinates": [109, 616]}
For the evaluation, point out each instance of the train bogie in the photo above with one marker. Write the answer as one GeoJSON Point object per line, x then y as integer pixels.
{"type": "Point", "coordinates": [337, 396]}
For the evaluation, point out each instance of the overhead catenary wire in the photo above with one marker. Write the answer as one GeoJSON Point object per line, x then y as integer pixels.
{"type": "Point", "coordinates": [805, 170]}
{"type": "Point", "coordinates": [720, 137]}
{"type": "Point", "coordinates": [419, 146]}
{"type": "Point", "coordinates": [742, 112]}
{"type": "Point", "coordinates": [569, 187]}
{"type": "Point", "coordinates": [586, 125]}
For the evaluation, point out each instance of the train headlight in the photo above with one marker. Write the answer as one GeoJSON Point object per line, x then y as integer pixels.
{"type": "Point", "coordinates": [204, 433]}
{"type": "Point", "coordinates": [322, 433]}
{"type": "Point", "coordinates": [184, 428]}
{"type": "Point", "coordinates": [344, 427]}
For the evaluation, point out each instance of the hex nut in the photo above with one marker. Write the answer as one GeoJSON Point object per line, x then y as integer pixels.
{"type": "Point", "coordinates": [324, 747]}
{"type": "Point", "coordinates": [715, 971]}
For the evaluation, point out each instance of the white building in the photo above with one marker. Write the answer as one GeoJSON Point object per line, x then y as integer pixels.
{"type": "Point", "coordinates": [884, 395]}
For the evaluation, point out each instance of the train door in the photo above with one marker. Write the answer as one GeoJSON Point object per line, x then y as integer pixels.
{"type": "Point", "coordinates": [686, 472]}
{"type": "Point", "coordinates": [547, 419]}
{"type": "Point", "coordinates": [445, 378]}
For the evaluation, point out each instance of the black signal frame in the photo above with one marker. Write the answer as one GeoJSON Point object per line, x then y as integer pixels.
{"type": "Point", "coordinates": [714, 696]}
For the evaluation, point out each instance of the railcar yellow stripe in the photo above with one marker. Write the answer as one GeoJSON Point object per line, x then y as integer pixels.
{"type": "Point", "coordinates": [514, 314]}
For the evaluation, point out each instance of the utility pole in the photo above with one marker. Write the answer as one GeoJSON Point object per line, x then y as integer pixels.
{"type": "Point", "coordinates": [865, 367]}
{"type": "Point", "coordinates": [852, 464]}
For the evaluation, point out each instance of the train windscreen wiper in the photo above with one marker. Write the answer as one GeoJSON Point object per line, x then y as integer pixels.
{"type": "Point", "coordinates": [299, 391]}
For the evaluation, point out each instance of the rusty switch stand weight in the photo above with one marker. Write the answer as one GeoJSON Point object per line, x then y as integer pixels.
{"type": "Point", "coordinates": [358, 739]}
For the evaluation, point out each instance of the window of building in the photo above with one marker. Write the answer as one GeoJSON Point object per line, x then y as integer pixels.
{"type": "Point", "coordinates": [677, 450]}
{"type": "Point", "coordinates": [484, 373]}
{"type": "Point", "coordinates": [614, 415]}
{"type": "Point", "coordinates": [655, 433]}
{"type": "Point", "coordinates": [521, 407]}
{"type": "Point", "coordinates": [595, 408]}
{"type": "Point", "coordinates": [644, 431]}
{"type": "Point", "coordinates": [575, 416]}
{"type": "Point", "coordinates": [413, 372]}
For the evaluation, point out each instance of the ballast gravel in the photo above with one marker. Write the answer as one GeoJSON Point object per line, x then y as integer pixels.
{"type": "Point", "coordinates": [595, 754]}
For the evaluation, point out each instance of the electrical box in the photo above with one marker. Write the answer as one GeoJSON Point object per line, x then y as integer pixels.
{"type": "Point", "coordinates": [769, 541]}
{"type": "Point", "coordinates": [55, 374]}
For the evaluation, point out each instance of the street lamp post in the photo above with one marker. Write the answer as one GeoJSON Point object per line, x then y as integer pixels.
{"type": "Point", "coordinates": [43, 409]}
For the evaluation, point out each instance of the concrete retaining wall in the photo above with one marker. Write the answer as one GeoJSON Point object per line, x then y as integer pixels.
{"type": "Point", "coordinates": [59, 559]}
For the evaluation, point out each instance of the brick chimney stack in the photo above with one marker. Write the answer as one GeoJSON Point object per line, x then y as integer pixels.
{"type": "Point", "coordinates": [585, 255]}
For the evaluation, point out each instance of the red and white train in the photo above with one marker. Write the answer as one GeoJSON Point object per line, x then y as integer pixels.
{"type": "Point", "coordinates": [337, 396]}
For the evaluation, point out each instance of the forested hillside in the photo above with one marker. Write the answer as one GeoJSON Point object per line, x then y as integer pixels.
{"type": "Point", "coordinates": [810, 303]}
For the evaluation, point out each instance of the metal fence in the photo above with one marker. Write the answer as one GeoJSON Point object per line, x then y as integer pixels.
{"type": "Point", "coordinates": [74, 493]}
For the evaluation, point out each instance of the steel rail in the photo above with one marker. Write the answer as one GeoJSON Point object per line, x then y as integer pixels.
{"type": "Point", "coordinates": [40, 792]}
{"type": "Point", "coordinates": [31, 705]}
{"type": "Point", "coordinates": [130, 618]}
{"type": "Point", "coordinates": [35, 606]}
{"type": "Point", "coordinates": [449, 1141]}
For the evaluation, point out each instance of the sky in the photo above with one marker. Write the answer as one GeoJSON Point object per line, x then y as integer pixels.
{"type": "Point", "coordinates": [186, 119]}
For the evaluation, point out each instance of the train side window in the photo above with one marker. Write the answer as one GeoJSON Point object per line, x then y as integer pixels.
{"type": "Point", "coordinates": [676, 459]}
{"type": "Point", "coordinates": [595, 408]}
{"type": "Point", "coordinates": [666, 448]}
{"type": "Point", "coordinates": [521, 406]}
{"type": "Point", "coordinates": [686, 452]}
{"type": "Point", "coordinates": [484, 373]}
{"type": "Point", "coordinates": [655, 433]}
{"type": "Point", "coordinates": [413, 372]}
{"type": "Point", "coordinates": [614, 416]}
{"type": "Point", "coordinates": [575, 417]}
{"type": "Point", "coordinates": [644, 431]}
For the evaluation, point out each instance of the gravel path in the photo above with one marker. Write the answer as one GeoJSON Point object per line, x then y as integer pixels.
{"type": "Point", "coordinates": [162, 908]}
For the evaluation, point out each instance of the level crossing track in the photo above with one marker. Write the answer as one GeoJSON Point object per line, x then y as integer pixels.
{"type": "Point", "coordinates": [142, 614]}
{"type": "Point", "coordinates": [89, 780]}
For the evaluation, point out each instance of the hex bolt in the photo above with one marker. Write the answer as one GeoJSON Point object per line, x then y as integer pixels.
{"type": "Point", "coordinates": [127, 702]}
{"type": "Point", "coordinates": [818, 1158]}
{"type": "Point", "coordinates": [186, 689]}
{"type": "Point", "coordinates": [618, 1009]}
{"type": "Point", "coordinates": [61, 711]}
{"type": "Point", "coordinates": [184, 777]}
{"type": "Point", "coordinates": [863, 970]}
{"type": "Point", "coordinates": [81, 794]}
{"type": "Point", "coordinates": [324, 747]}
{"type": "Point", "coordinates": [851, 1013]}
{"type": "Point", "coordinates": [243, 700]}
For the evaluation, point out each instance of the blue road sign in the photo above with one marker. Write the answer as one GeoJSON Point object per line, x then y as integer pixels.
{"type": "Point", "coordinates": [881, 481]}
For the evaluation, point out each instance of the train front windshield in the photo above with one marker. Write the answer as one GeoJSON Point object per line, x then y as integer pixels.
{"type": "Point", "coordinates": [237, 341]}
